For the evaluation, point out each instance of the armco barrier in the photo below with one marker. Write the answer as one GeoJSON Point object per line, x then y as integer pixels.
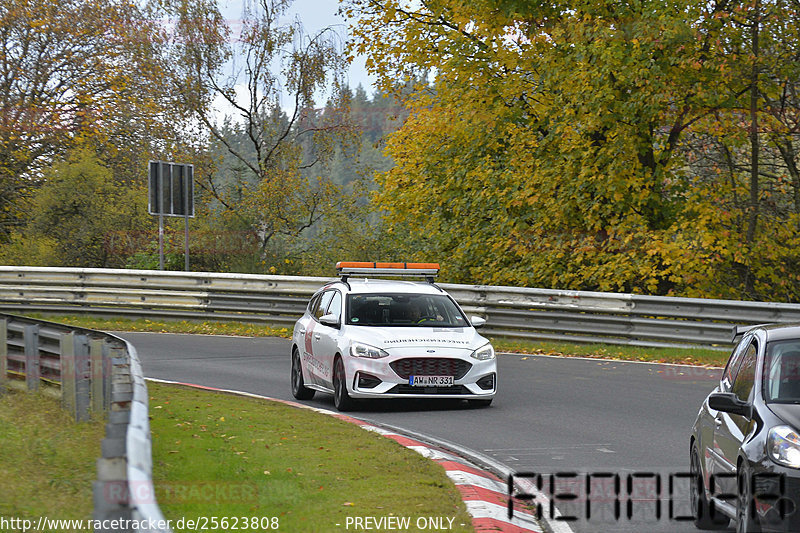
{"type": "Point", "coordinates": [525, 313]}
{"type": "Point", "coordinates": [97, 372]}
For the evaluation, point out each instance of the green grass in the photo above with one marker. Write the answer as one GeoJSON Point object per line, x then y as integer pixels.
{"type": "Point", "coordinates": [221, 455]}
{"type": "Point", "coordinates": [199, 327]}
{"type": "Point", "coordinates": [47, 460]}
{"type": "Point", "coordinates": [697, 356]}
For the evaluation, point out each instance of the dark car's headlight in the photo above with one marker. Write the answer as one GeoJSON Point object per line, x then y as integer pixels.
{"type": "Point", "coordinates": [484, 353]}
{"type": "Point", "coordinates": [783, 446]}
{"type": "Point", "coordinates": [358, 349]}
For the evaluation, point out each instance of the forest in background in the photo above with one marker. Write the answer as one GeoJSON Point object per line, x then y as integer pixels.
{"type": "Point", "coordinates": [643, 146]}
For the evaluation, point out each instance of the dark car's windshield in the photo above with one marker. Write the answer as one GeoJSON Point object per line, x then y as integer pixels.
{"type": "Point", "coordinates": [782, 372]}
{"type": "Point", "coordinates": [406, 310]}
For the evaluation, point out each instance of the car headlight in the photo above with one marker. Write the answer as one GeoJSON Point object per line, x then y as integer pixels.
{"type": "Point", "coordinates": [484, 353]}
{"type": "Point", "coordinates": [783, 446]}
{"type": "Point", "coordinates": [358, 349]}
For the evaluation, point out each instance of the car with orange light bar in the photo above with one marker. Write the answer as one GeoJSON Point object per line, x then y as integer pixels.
{"type": "Point", "coordinates": [375, 332]}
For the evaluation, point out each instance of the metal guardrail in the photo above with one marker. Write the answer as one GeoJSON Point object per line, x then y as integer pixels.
{"type": "Point", "coordinates": [95, 372]}
{"type": "Point", "coordinates": [524, 313]}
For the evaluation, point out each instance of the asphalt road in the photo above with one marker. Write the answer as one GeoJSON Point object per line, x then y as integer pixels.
{"type": "Point", "coordinates": [583, 421]}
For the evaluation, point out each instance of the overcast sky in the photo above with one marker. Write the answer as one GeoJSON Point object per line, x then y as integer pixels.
{"type": "Point", "coordinates": [315, 15]}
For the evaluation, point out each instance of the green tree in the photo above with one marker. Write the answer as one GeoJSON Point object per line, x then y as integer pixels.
{"type": "Point", "coordinates": [76, 210]}
{"type": "Point", "coordinates": [276, 140]}
{"type": "Point", "coordinates": [552, 146]}
{"type": "Point", "coordinates": [72, 71]}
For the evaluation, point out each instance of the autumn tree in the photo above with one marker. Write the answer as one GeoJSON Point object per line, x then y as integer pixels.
{"type": "Point", "coordinates": [550, 147]}
{"type": "Point", "coordinates": [283, 88]}
{"type": "Point", "coordinates": [72, 73]}
{"type": "Point", "coordinates": [79, 204]}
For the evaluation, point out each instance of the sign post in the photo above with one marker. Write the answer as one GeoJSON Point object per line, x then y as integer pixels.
{"type": "Point", "coordinates": [171, 194]}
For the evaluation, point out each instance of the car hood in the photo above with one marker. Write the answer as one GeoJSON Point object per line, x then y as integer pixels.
{"type": "Point", "coordinates": [788, 412]}
{"type": "Point", "coordinates": [396, 338]}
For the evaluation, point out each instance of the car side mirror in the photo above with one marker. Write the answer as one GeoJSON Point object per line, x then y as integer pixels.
{"type": "Point", "coordinates": [727, 402]}
{"type": "Point", "coordinates": [330, 321]}
{"type": "Point", "coordinates": [477, 322]}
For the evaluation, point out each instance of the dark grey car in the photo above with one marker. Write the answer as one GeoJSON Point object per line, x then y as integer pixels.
{"type": "Point", "coordinates": [745, 443]}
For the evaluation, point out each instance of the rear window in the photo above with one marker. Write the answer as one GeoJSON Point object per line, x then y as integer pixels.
{"type": "Point", "coordinates": [405, 310]}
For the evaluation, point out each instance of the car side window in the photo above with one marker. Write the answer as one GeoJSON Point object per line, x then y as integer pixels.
{"type": "Point", "coordinates": [729, 373]}
{"type": "Point", "coordinates": [312, 305]}
{"type": "Point", "coordinates": [335, 307]}
{"type": "Point", "coordinates": [323, 304]}
{"type": "Point", "coordinates": [746, 375]}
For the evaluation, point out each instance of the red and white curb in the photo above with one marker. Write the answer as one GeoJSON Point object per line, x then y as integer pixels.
{"type": "Point", "coordinates": [484, 494]}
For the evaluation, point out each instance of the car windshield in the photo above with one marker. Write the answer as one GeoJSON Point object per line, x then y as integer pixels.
{"type": "Point", "coordinates": [782, 372]}
{"type": "Point", "coordinates": [405, 310]}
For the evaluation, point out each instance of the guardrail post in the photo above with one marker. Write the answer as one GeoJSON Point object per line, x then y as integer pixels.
{"type": "Point", "coordinates": [68, 392]}
{"type": "Point", "coordinates": [3, 354]}
{"type": "Point", "coordinates": [75, 375]}
{"type": "Point", "coordinates": [97, 349]}
{"type": "Point", "coordinates": [32, 371]}
{"type": "Point", "coordinates": [116, 356]}
{"type": "Point", "coordinates": [82, 385]}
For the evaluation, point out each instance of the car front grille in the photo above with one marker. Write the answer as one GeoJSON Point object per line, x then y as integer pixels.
{"type": "Point", "coordinates": [408, 389]}
{"type": "Point", "coordinates": [430, 366]}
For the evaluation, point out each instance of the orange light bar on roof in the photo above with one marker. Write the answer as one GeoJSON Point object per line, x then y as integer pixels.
{"type": "Point", "coordinates": [366, 268]}
{"type": "Point", "coordinates": [366, 264]}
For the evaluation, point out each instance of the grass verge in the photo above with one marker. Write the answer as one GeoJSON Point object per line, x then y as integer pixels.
{"type": "Point", "coordinates": [47, 460]}
{"type": "Point", "coordinates": [242, 329]}
{"type": "Point", "coordinates": [696, 356]}
{"type": "Point", "coordinates": [247, 459]}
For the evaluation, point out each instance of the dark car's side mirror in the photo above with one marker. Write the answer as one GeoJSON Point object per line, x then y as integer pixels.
{"type": "Point", "coordinates": [329, 320]}
{"type": "Point", "coordinates": [728, 402]}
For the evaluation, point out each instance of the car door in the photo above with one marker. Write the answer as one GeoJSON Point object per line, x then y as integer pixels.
{"type": "Point", "coordinates": [304, 334]}
{"type": "Point", "coordinates": [312, 351]}
{"type": "Point", "coordinates": [731, 430]}
{"type": "Point", "coordinates": [707, 419]}
{"type": "Point", "coordinates": [327, 338]}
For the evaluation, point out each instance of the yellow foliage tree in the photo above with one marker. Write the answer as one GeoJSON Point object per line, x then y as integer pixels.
{"type": "Point", "coordinates": [557, 145]}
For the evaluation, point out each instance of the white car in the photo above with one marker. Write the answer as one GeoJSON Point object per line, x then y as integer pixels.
{"type": "Point", "coordinates": [376, 338]}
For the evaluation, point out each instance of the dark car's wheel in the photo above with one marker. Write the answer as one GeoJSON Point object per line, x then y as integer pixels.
{"type": "Point", "coordinates": [700, 507]}
{"type": "Point", "coordinates": [299, 389]}
{"type": "Point", "coordinates": [745, 520]}
{"type": "Point", "coordinates": [341, 399]}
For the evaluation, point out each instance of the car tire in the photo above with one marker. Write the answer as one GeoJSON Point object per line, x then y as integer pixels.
{"type": "Point", "coordinates": [341, 399]}
{"type": "Point", "coordinates": [745, 521]}
{"type": "Point", "coordinates": [700, 506]}
{"type": "Point", "coordinates": [299, 389]}
{"type": "Point", "coordinates": [480, 403]}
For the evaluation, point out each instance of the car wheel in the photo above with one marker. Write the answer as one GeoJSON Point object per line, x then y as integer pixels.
{"type": "Point", "coordinates": [701, 510]}
{"type": "Point", "coordinates": [341, 399]}
{"type": "Point", "coordinates": [299, 389]}
{"type": "Point", "coordinates": [745, 521]}
{"type": "Point", "coordinates": [480, 403]}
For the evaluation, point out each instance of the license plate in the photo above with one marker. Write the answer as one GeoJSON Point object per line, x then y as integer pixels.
{"type": "Point", "coordinates": [431, 381]}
